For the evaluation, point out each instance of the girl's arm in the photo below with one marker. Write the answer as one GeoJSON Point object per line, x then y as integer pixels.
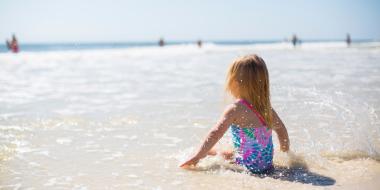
{"type": "Point", "coordinates": [281, 131]}
{"type": "Point", "coordinates": [213, 136]}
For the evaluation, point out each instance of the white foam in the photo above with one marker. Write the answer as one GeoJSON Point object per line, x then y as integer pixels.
{"type": "Point", "coordinates": [64, 141]}
{"type": "Point", "coordinates": [51, 182]}
{"type": "Point", "coordinates": [175, 140]}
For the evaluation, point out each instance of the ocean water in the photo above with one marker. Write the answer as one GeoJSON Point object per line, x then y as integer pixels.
{"type": "Point", "coordinates": [125, 118]}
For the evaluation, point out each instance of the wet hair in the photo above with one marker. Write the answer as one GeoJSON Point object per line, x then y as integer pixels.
{"type": "Point", "coordinates": [248, 78]}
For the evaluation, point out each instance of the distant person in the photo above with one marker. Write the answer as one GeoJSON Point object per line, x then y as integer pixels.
{"type": "Point", "coordinates": [8, 44]}
{"type": "Point", "coordinates": [199, 43]}
{"type": "Point", "coordinates": [251, 119]}
{"type": "Point", "coordinates": [348, 40]}
{"type": "Point", "coordinates": [294, 40]}
{"type": "Point", "coordinates": [161, 42]}
{"type": "Point", "coordinates": [13, 45]}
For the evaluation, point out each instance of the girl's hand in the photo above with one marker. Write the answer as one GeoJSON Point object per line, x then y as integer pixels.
{"type": "Point", "coordinates": [192, 162]}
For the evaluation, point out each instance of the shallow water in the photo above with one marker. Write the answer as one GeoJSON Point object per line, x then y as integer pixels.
{"type": "Point", "coordinates": [126, 118]}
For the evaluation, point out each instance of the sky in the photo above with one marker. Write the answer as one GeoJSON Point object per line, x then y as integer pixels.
{"type": "Point", "coordinates": [147, 20]}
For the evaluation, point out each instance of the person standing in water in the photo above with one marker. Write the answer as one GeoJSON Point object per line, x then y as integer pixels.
{"type": "Point", "coordinates": [161, 42]}
{"type": "Point", "coordinates": [251, 119]}
{"type": "Point", "coordinates": [348, 40]}
{"type": "Point", "coordinates": [199, 43]}
{"type": "Point", "coordinates": [8, 44]}
{"type": "Point", "coordinates": [294, 40]}
{"type": "Point", "coordinates": [13, 45]}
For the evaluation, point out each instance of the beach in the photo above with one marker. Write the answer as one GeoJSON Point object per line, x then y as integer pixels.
{"type": "Point", "coordinates": [125, 118]}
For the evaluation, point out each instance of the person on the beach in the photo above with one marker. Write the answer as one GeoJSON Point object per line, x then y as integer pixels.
{"type": "Point", "coordinates": [294, 40]}
{"type": "Point", "coordinates": [251, 119]}
{"type": "Point", "coordinates": [161, 42]}
{"type": "Point", "coordinates": [8, 44]}
{"type": "Point", "coordinates": [348, 40]}
{"type": "Point", "coordinates": [199, 43]}
{"type": "Point", "coordinates": [13, 45]}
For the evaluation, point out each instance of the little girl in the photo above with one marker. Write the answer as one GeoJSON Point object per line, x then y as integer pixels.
{"type": "Point", "coordinates": [251, 119]}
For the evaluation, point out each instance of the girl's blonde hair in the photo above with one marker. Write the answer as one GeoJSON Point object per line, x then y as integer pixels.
{"type": "Point", "coordinates": [248, 79]}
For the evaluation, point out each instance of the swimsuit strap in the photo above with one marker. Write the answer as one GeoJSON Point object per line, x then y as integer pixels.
{"type": "Point", "coordinates": [254, 110]}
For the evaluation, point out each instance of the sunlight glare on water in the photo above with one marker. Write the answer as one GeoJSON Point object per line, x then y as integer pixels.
{"type": "Point", "coordinates": [126, 118]}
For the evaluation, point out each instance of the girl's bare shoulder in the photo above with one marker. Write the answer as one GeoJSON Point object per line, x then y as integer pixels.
{"type": "Point", "coordinates": [235, 110]}
{"type": "Point", "coordinates": [242, 115]}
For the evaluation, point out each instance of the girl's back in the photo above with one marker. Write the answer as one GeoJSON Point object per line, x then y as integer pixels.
{"type": "Point", "coordinates": [252, 140]}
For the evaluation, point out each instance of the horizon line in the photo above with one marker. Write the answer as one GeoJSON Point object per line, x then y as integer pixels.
{"type": "Point", "coordinates": [193, 41]}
